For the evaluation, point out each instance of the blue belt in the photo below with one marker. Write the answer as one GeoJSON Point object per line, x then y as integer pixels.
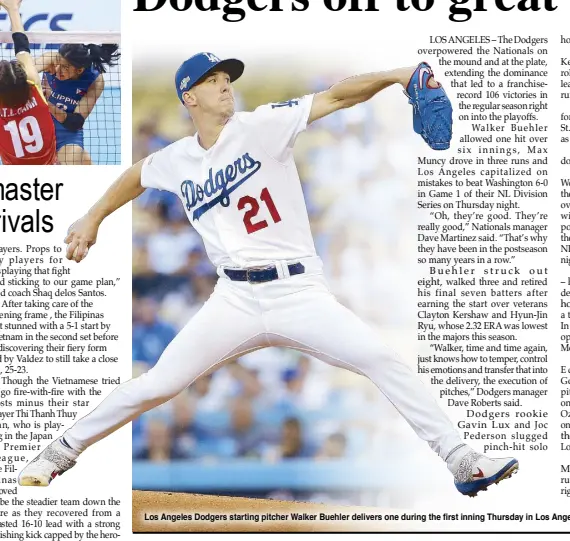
{"type": "Point", "coordinates": [257, 275]}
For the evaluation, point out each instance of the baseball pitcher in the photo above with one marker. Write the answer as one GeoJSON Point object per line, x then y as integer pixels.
{"type": "Point", "coordinates": [241, 191]}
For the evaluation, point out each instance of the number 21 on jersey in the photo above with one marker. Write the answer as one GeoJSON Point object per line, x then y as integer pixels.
{"type": "Point", "coordinates": [252, 206]}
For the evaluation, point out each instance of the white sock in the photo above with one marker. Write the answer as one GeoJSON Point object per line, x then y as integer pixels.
{"type": "Point", "coordinates": [456, 456]}
{"type": "Point", "coordinates": [66, 449]}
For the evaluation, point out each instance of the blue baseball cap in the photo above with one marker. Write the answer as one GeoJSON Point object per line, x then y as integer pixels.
{"type": "Point", "coordinates": [193, 69]}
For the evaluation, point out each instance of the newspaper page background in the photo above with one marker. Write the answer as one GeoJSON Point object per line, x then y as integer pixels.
{"type": "Point", "coordinates": [317, 41]}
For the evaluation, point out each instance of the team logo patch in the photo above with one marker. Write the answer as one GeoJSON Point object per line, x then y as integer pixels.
{"type": "Point", "coordinates": [184, 83]}
{"type": "Point", "coordinates": [219, 185]}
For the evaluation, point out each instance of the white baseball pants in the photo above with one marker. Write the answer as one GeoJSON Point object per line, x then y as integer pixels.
{"type": "Point", "coordinates": [297, 312]}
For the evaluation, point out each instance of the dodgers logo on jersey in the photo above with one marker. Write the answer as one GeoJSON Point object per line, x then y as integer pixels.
{"type": "Point", "coordinates": [235, 173]}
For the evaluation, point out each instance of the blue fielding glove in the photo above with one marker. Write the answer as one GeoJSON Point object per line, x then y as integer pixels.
{"type": "Point", "coordinates": [433, 113]}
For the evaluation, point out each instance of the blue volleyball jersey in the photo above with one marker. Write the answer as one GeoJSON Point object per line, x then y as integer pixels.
{"type": "Point", "coordinates": [67, 94]}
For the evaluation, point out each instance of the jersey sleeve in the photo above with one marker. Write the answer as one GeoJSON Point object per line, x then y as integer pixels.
{"type": "Point", "coordinates": [38, 90]}
{"type": "Point", "coordinates": [278, 124]}
{"type": "Point", "coordinates": [156, 170]}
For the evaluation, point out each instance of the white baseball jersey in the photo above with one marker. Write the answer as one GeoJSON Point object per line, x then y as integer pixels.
{"type": "Point", "coordinates": [243, 195]}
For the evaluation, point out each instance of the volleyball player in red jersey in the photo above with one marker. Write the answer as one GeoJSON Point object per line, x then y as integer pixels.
{"type": "Point", "coordinates": [27, 133]}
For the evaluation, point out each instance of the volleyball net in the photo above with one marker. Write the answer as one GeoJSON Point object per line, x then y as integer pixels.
{"type": "Point", "coordinates": [102, 129]}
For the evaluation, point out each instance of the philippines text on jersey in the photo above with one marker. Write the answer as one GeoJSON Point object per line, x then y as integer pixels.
{"type": "Point", "coordinates": [56, 97]}
{"type": "Point", "coordinates": [235, 173]}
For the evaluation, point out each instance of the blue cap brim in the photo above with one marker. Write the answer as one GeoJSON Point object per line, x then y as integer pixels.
{"type": "Point", "coordinates": [232, 66]}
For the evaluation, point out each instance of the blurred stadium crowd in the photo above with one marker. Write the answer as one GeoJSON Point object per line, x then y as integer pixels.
{"type": "Point", "coordinates": [274, 405]}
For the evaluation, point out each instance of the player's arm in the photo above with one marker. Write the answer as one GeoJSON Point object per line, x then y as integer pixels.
{"type": "Point", "coordinates": [356, 90]}
{"type": "Point", "coordinates": [21, 43]}
{"type": "Point", "coordinates": [75, 121]}
{"type": "Point", "coordinates": [47, 61]}
{"type": "Point", "coordinates": [83, 233]}
{"type": "Point", "coordinates": [85, 106]}
{"type": "Point", "coordinates": [59, 114]}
